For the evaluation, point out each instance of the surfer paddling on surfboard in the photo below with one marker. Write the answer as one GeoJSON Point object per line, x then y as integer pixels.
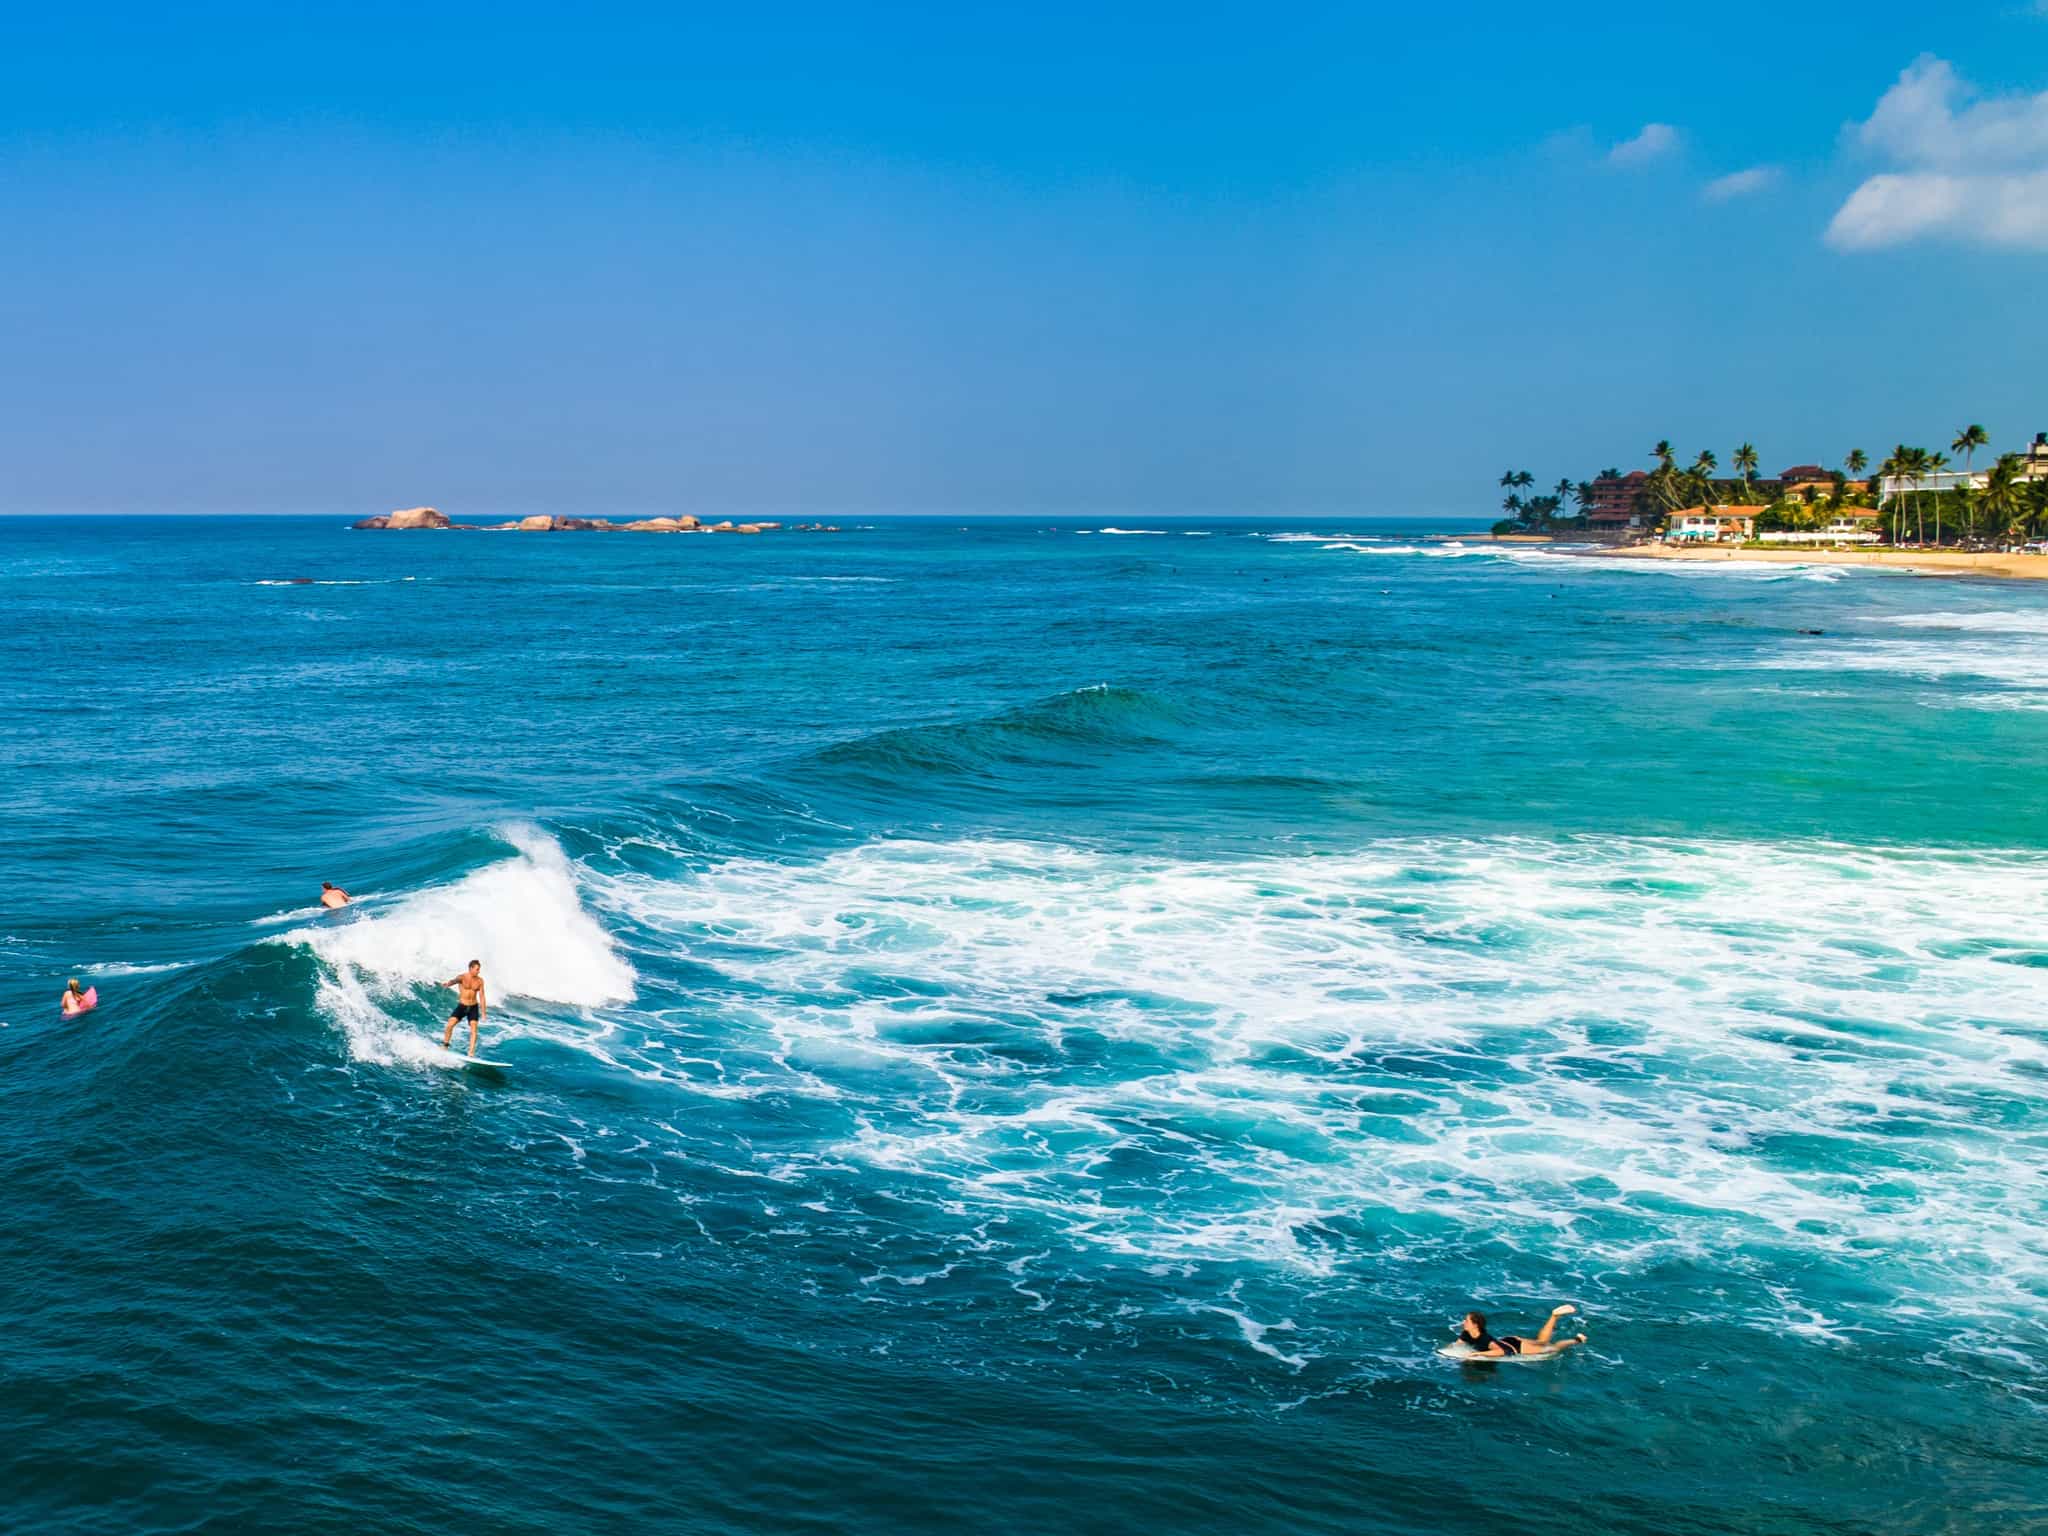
{"type": "Point", "coordinates": [1473, 1335]}
{"type": "Point", "coordinates": [470, 1004]}
{"type": "Point", "coordinates": [75, 1001]}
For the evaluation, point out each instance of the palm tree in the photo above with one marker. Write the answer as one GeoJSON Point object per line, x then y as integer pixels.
{"type": "Point", "coordinates": [1935, 465]}
{"type": "Point", "coordinates": [1891, 469]}
{"type": "Point", "coordinates": [2004, 501]}
{"type": "Point", "coordinates": [1702, 476]}
{"type": "Point", "coordinates": [1856, 463]}
{"type": "Point", "coordinates": [1902, 473]}
{"type": "Point", "coordinates": [1584, 492]}
{"type": "Point", "coordinates": [1966, 504]}
{"type": "Point", "coordinates": [1915, 461]}
{"type": "Point", "coordinates": [1745, 466]}
{"type": "Point", "coordinates": [1967, 442]}
{"type": "Point", "coordinates": [1662, 453]}
{"type": "Point", "coordinates": [1508, 481]}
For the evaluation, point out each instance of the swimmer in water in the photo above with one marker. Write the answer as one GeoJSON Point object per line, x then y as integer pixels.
{"type": "Point", "coordinates": [332, 895]}
{"type": "Point", "coordinates": [73, 1000]}
{"type": "Point", "coordinates": [1473, 1335]}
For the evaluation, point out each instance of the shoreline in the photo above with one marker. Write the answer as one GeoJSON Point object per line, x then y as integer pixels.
{"type": "Point", "coordinates": [2005, 567]}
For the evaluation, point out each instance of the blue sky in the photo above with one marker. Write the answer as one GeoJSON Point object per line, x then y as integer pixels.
{"type": "Point", "coordinates": [1208, 259]}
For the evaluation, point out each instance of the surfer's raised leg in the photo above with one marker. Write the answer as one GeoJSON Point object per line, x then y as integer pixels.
{"type": "Point", "coordinates": [1550, 1323]}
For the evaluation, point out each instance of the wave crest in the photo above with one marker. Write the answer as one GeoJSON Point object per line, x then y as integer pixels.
{"type": "Point", "coordinates": [522, 917]}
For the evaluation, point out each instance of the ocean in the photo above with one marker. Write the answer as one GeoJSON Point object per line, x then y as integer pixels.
{"type": "Point", "coordinates": [1016, 1026]}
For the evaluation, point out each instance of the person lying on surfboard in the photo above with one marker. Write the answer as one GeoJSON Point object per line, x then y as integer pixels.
{"type": "Point", "coordinates": [1473, 1335]}
{"type": "Point", "coordinates": [74, 999]}
{"type": "Point", "coordinates": [470, 1004]}
{"type": "Point", "coordinates": [332, 895]}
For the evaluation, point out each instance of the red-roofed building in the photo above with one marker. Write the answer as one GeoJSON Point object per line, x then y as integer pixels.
{"type": "Point", "coordinates": [1613, 503]}
{"type": "Point", "coordinates": [1712, 525]}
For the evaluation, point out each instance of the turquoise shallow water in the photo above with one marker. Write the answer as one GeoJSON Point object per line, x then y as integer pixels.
{"type": "Point", "coordinates": [1014, 1026]}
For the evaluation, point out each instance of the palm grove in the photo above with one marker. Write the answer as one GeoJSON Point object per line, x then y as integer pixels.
{"type": "Point", "coordinates": [2007, 505]}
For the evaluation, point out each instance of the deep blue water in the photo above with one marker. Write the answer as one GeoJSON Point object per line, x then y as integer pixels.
{"type": "Point", "coordinates": [1016, 1029]}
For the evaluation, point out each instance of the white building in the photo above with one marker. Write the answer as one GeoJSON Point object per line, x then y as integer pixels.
{"type": "Point", "coordinates": [2033, 466]}
{"type": "Point", "coordinates": [1711, 525]}
{"type": "Point", "coordinates": [1947, 480]}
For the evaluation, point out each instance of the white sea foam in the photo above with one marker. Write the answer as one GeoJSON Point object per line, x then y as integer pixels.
{"type": "Point", "coordinates": [1687, 570]}
{"type": "Point", "coordinates": [1636, 1052]}
{"type": "Point", "coordinates": [522, 917]}
{"type": "Point", "coordinates": [2015, 665]}
{"type": "Point", "coordinates": [2004, 622]}
{"type": "Point", "coordinates": [1315, 538]}
{"type": "Point", "coordinates": [1148, 533]}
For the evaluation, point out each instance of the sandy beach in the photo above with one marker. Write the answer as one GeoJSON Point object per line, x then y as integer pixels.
{"type": "Point", "coordinates": [1929, 562]}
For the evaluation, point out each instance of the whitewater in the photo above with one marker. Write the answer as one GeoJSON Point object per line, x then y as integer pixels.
{"type": "Point", "coordinates": [1017, 1026]}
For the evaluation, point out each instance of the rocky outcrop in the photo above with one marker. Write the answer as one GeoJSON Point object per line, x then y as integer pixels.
{"type": "Point", "coordinates": [416, 517]}
{"type": "Point", "coordinates": [683, 524]}
{"type": "Point", "coordinates": [427, 517]}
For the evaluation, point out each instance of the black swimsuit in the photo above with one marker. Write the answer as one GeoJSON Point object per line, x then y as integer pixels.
{"type": "Point", "coordinates": [470, 1011]}
{"type": "Point", "coordinates": [1508, 1343]}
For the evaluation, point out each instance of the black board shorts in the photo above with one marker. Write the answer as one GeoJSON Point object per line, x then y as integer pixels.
{"type": "Point", "coordinates": [471, 1012]}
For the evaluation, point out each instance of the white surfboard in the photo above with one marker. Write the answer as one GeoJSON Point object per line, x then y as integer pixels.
{"type": "Point", "coordinates": [456, 1061]}
{"type": "Point", "coordinates": [1456, 1350]}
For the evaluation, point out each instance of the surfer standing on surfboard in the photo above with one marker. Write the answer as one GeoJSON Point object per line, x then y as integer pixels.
{"type": "Point", "coordinates": [1473, 1335]}
{"type": "Point", "coordinates": [470, 1004]}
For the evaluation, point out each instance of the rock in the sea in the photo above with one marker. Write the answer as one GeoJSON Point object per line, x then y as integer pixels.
{"type": "Point", "coordinates": [416, 517]}
{"type": "Point", "coordinates": [721, 527]}
{"type": "Point", "coordinates": [686, 523]}
{"type": "Point", "coordinates": [540, 524]}
{"type": "Point", "coordinates": [748, 528]}
{"type": "Point", "coordinates": [579, 524]}
{"type": "Point", "coordinates": [655, 525]}
{"type": "Point", "coordinates": [372, 522]}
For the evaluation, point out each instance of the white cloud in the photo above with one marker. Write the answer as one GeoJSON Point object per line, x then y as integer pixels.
{"type": "Point", "coordinates": [1931, 117]}
{"type": "Point", "coordinates": [1892, 209]}
{"type": "Point", "coordinates": [1653, 143]}
{"type": "Point", "coordinates": [1743, 183]}
{"type": "Point", "coordinates": [1967, 167]}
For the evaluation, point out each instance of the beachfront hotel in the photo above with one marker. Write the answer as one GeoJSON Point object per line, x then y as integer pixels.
{"type": "Point", "coordinates": [1712, 525]}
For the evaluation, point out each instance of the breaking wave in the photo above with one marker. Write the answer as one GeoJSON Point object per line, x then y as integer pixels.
{"type": "Point", "coordinates": [522, 917]}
